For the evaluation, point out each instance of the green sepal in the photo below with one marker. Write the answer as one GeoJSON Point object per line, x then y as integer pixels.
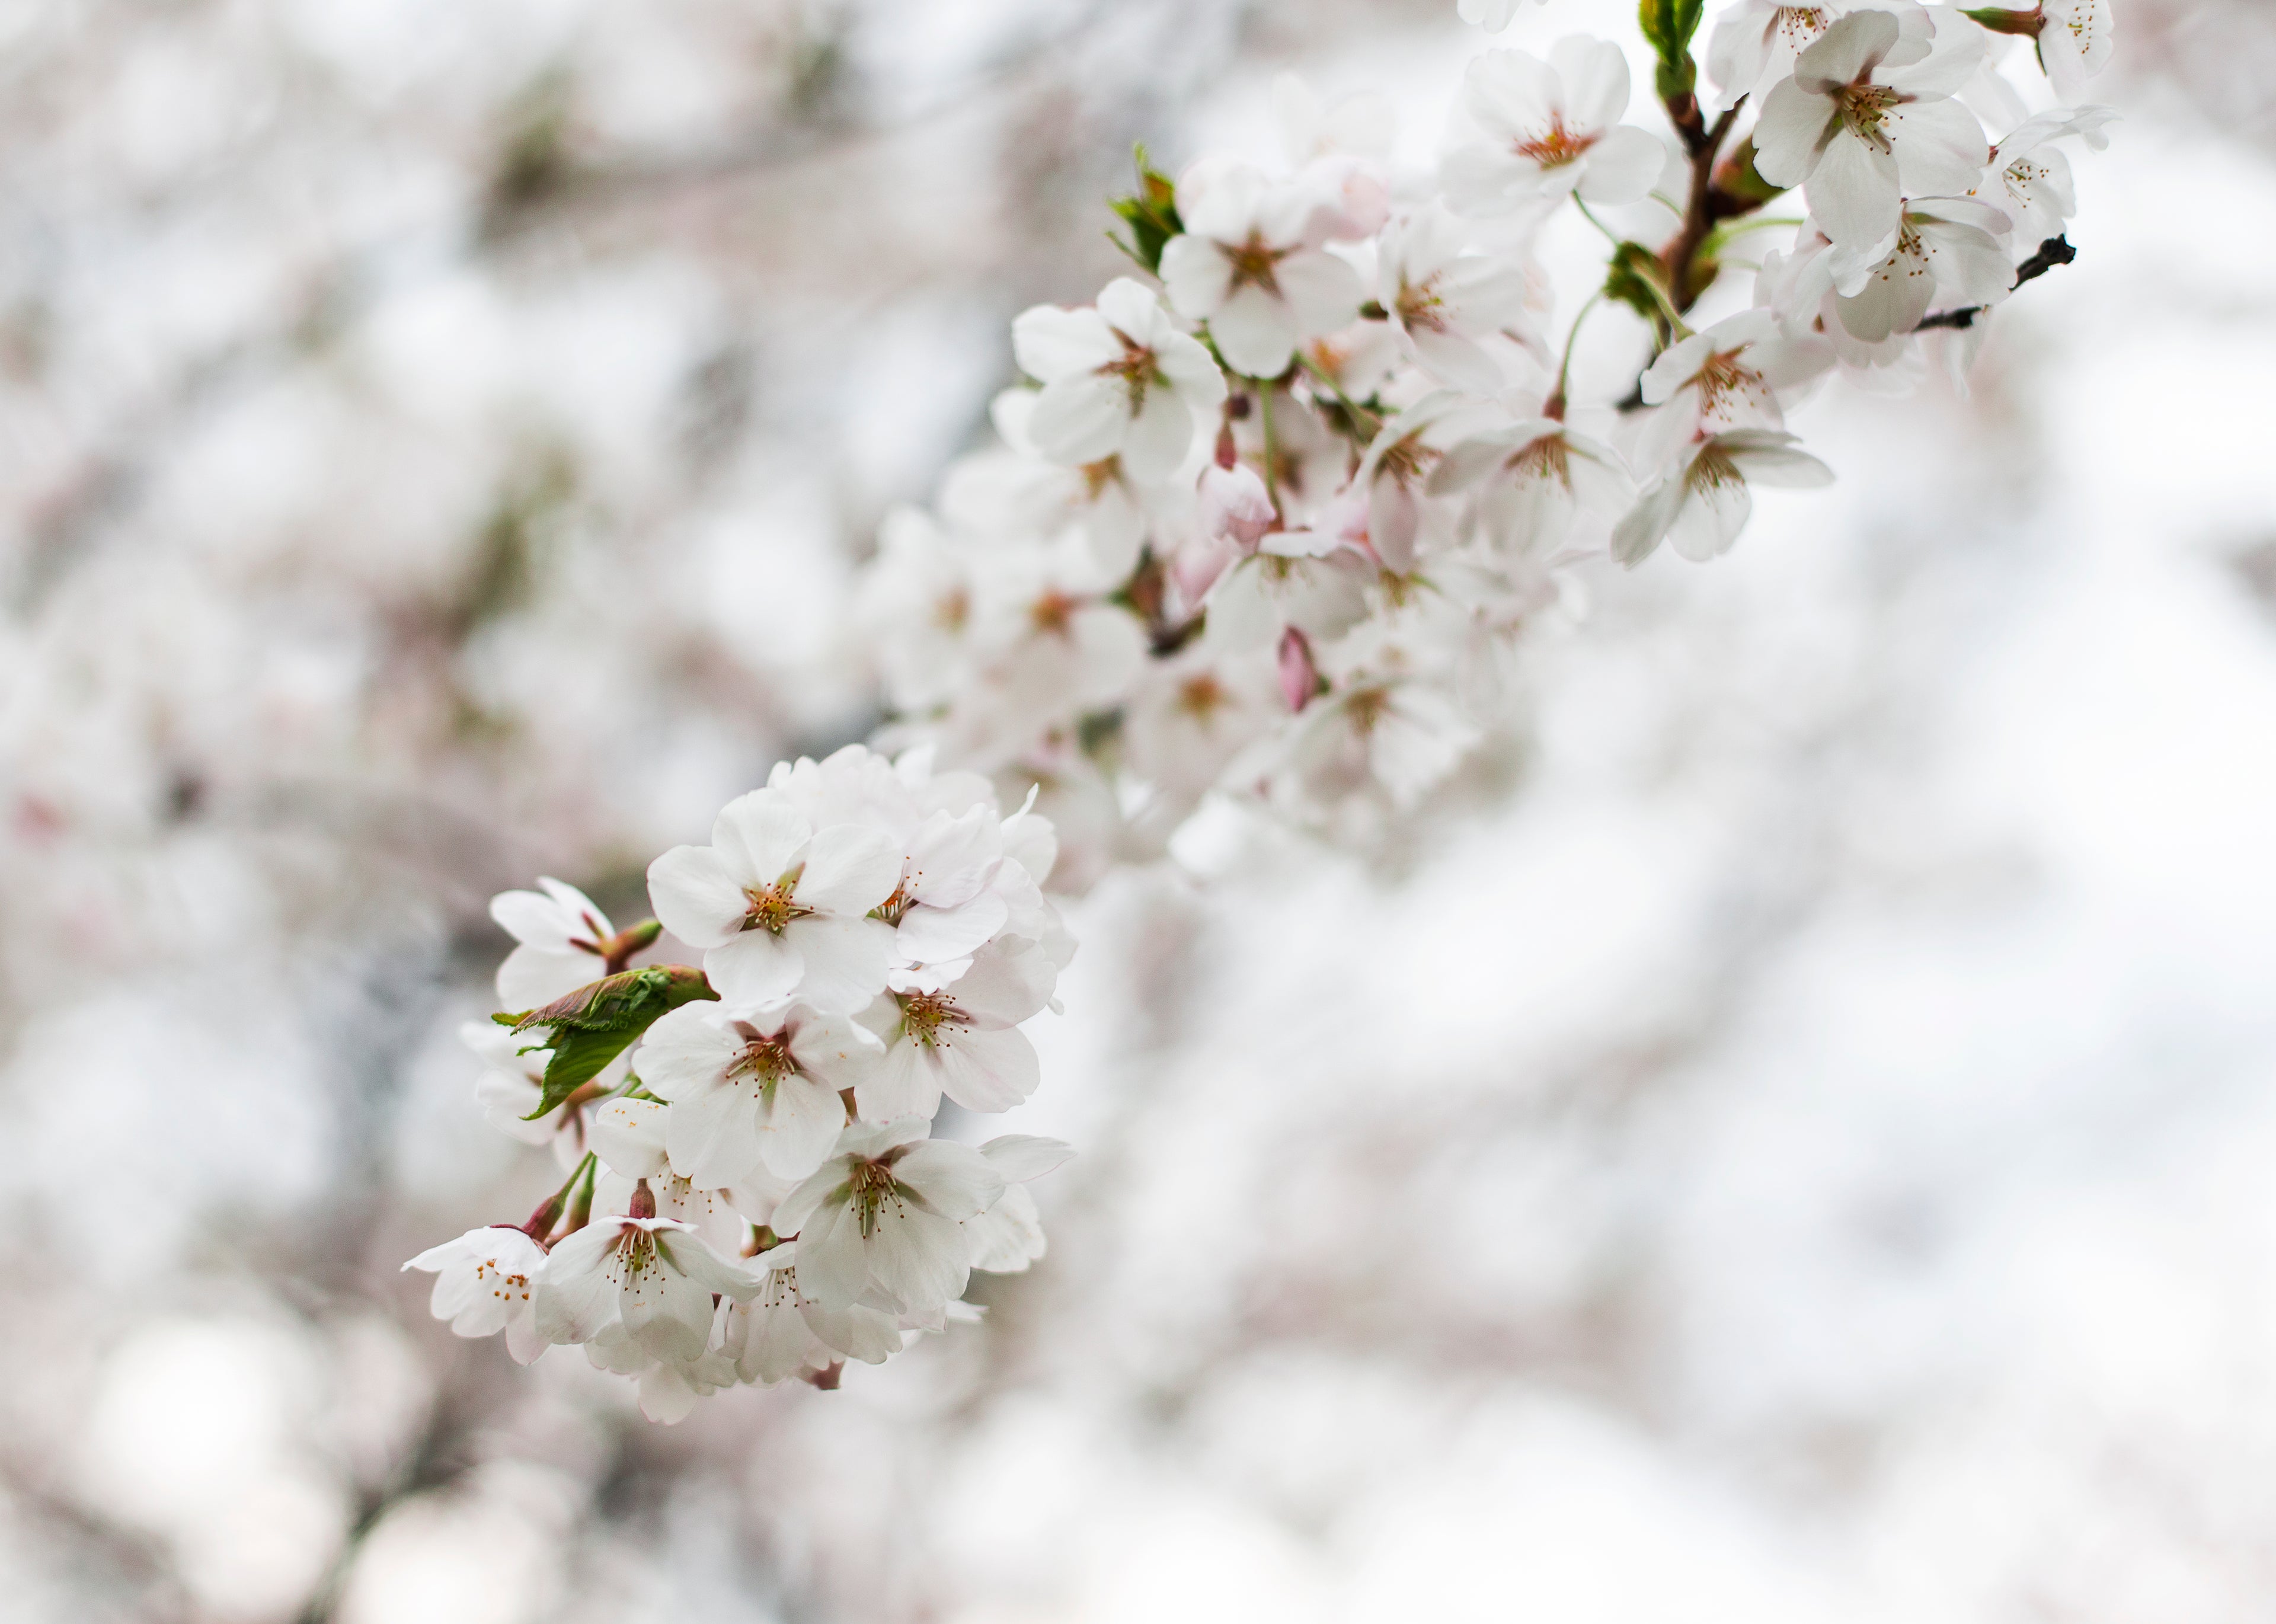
{"type": "Point", "coordinates": [594, 1024]}
{"type": "Point", "coordinates": [1627, 282]}
{"type": "Point", "coordinates": [1668, 26]}
{"type": "Point", "coordinates": [1151, 214]}
{"type": "Point", "coordinates": [1740, 184]}
{"type": "Point", "coordinates": [1999, 20]}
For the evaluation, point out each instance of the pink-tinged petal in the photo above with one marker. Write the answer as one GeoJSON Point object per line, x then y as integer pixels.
{"type": "Point", "coordinates": [691, 1257]}
{"type": "Point", "coordinates": [955, 1179]}
{"type": "Point", "coordinates": [667, 1314]}
{"type": "Point", "coordinates": [1323, 291]}
{"type": "Point", "coordinates": [532, 976]}
{"type": "Point", "coordinates": [1941, 148]}
{"type": "Point", "coordinates": [833, 1265]}
{"type": "Point", "coordinates": [1781, 466]}
{"type": "Point", "coordinates": [1792, 134]}
{"type": "Point", "coordinates": [1594, 77]}
{"type": "Point", "coordinates": [1022, 1157]}
{"type": "Point", "coordinates": [844, 961]}
{"type": "Point", "coordinates": [757, 967]}
{"type": "Point", "coordinates": [1641, 530]}
{"type": "Point", "coordinates": [858, 1332]}
{"type": "Point", "coordinates": [713, 1134]}
{"type": "Point", "coordinates": [1192, 371]}
{"type": "Point", "coordinates": [1846, 51]}
{"type": "Point", "coordinates": [985, 1069]}
{"type": "Point", "coordinates": [825, 1185]}
{"type": "Point", "coordinates": [933, 935]}
{"type": "Point", "coordinates": [1621, 166]}
{"type": "Point", "coordinates": [1008, 1237]}
{"type": "Point", "coordinates": [802, 1129]}
{"type": "Point", "coordinates": [695, 896]}
{"type": "Point", "coordinates": [1853, 190]}
{"type": "Point", "coordinates": [832, 1048]}
{"type": "Point", "coordinates": [759, 836]}
{"type": "Point", "coordinates": [576, 906]}
{"type": "Point", "coordinates": [528, 917]}
{"type": "Point", "coordinates": [919, 1258]}
{"type": "Point", "coordinates": [1453, 358]}
{"type": "Point", "coordinates": [1052, 343]}
{"type": "Point", "coordinates": [1080, 419]}
{"type": "Point", "coordinates": [687, 1052]}
{"type": "Point", "coordinates": [1254, 332]}
{"type": "Point", "coordinates": [576, 1291]}
{"type": "Point", "coordinates": [523, 1341]}
{"type": "Point", "coordinates": [850, 869]}
{"type": "Point", "coordinates": [949, 858]}
{"type": "Point", "coordinates": [1131, 308]}
{"type": "Point", "coordinates": [904, 1082]}
{"type": "Point", "coordinates": [1710, 519]}
{"type": "Point", "coordinates": [1676, 366]}
{"type": "Point", "coordinates": [1510, 94]}
{"type": "Point", "coordinates": [1158, 436]}
{"type": "Point", "coordinates": [628, 1135]}
{"type": "Point", "coordinates": [666, 1396]}
{"type": "Point", "coordinates": [1196, 275]}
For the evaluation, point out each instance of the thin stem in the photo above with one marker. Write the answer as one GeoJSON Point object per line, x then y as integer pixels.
{"type": "Point", "coordinates": [1611, 236]}
{"type": "Point", "coordinates": [540, 1223]}
{"type": "Point", "coordinates": [1271, 444]}
{"type": "Point", "coordinates": [1349, 405]}
{"type": "Point", "coordinates": [1555, 406]}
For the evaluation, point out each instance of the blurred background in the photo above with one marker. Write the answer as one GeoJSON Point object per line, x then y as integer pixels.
{"type": "Point", "coordinates": [1793, 1144]}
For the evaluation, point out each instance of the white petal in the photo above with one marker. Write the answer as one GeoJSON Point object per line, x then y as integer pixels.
{"type": "Point", "coordinates": [757, 967]}
{"type": "Point", "coordinates": [1621, 166]}
{"type": "Point", "coordinates": [802, 1127]}
{"type": "Point", "coordinates": [1051, 343]}
{"type": "Point", "coordinates": [1022, 1157]}
{"type": "Point", "coordinates": [628, 1135]}
{"type": "Point", "coordinates": [920, 1258]}
{"type": "Point", "coordinates": [849, 870]}
{"type": "Point", "coordinates": [984, 1070]}
{"type": "Point", "coordinates": [955, 1180]}
{"type": "Point", "coordinates": [844, 961]}
{"type": "Point", "coordinates": [1254, 332]}
{"type": "Point", "coordinates": [694, 896]}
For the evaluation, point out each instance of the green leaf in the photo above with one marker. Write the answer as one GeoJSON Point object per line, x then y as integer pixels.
{"type": "Point", "coordinates": [594, 1024]}
{"type": "Point", "coordinates": [1627, 282]}
{"type": "Point", "coordinates": [1151, 214]}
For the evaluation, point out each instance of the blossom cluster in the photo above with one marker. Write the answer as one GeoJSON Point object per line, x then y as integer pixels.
{"type": "Point", "coordinates": [754, 1192]}
{"type": "Point", "coordinates": [1271, 516]}
{"type": "Point", "coordinates": [1269, 519]}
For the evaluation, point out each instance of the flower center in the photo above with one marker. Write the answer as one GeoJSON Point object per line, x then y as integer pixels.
{"type": "Point", "coordinates": [1253, 262]}
{"type": "Point", "coordinates": [1800, 23]}
{"type": "Point", "coordinates": [924, 1013]}
{"type": "Point", "coordinates": [1054, 612]}
{"type": "Point", "coordinates": [1202, 696]}
{"type": "Point", "coordinates": [1096, 476]}
{"type": "Point", "coordinates": [952, 609]}
{"type": "Point", "coordinates": [1548, 457]}
{"type": "Point", "coordinates": [1556, 147]}
{"type": "Point", "coordinates": [771, 907]}
{"type": "Point", "coordinates": [1405, 461]}
{"type": "Point", "coordinates": [1712, 470]}
{"type": "Point", "coordinates": [872, 1186]}
{"type": "Point", "coordinates": [1419, 304]}
{"type": "Point", "coordinates": [1365, 707]}
{"type": "Point", "coordinates": [1134, 367]}
{"type": "Point", "coordinates": [1862, 109]}
{"type": "Point", "coordinates": [766, 1059]}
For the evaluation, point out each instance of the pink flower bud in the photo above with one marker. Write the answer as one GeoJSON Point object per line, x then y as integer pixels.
{"type": "Point", "coordinates": [1300, 678]}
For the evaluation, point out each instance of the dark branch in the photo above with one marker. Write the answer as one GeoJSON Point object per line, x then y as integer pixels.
{"type": "Point", "coordinates": [2053, 252]}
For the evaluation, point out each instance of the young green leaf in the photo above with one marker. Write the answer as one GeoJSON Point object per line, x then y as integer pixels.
{"type": "Point", "coordinates": [594, 1024]}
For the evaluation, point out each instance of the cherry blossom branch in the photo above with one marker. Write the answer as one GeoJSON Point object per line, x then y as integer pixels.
{"type": "Point", "coordinates": [2053, 252]}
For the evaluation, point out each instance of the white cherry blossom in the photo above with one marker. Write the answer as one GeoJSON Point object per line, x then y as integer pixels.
{"type": "Point", "coordinates": [1246, 265]}
{"type": "Point", "coordinates": [561, 940]}
{"type": "Point", "coordinates": [749, 1089]}
{"type": "Point", "coordinates": [961, 1040]}
{"type": "Point", "coordinates": [1728, 376]}
{"type": "Point", "coordinates": [1699, 504]}
{"type": "Point", "coordinates": [484, 1283]}
{"type": "Point", "coordinates": [1120, 381]}
{"type": "Point", "coordinates": [1449, 306]}
{"type": "Point", "coordinates": [1549, 129]}
{"type": "Point", "coordinates": [1870, 116]}
{"type": "Point", "coordinates": [1756, 42]}
{"type": "Point", "coordinates": [1533, 480]}
{"type": "Point", "coordinates": [653, 1276]}
{"type": "Point", "coordinates": [2075, 41]}
{"type": "Point", "coordinates": [779, 907]}
{"type": "Point", "coordinates": [880, 1222]}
